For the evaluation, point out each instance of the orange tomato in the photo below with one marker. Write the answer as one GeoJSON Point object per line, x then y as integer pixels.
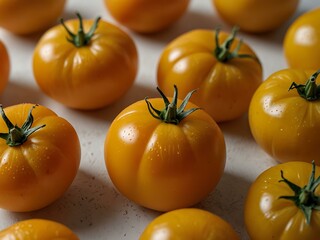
{"type": "Point", "coordinates": [4, 67]}
{"type": "Point", "coordinates": [93, 68]}
{"type": "Point", "coordinates": [40, 156]}
{"type": "Point", "coordinates": [146, 16]}
{"type": "Point", "coordinates": [167, 159]}
{"type": "Point", "coordinates": [302, 41]}
{"type": "Point", "coordinates": [256, 16]}
{"type": "Point", "coordinates": [286, 123]}
{"type": "Point", "coordinates": [37, 229]}
{"type": "Point", "coordinates": [187, 224]}
{"type": "Point", "coordinates": [283, 203]}
{"type": "Point", "coordinates": [25, 17]}
{"type": "Point", "coordinates": [224, 78]}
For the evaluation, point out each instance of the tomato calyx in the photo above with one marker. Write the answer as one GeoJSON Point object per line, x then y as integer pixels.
{"type": "Point", "coordinates": [309, 91]}
{"type": "Point", "coordinates": [16, 135]}
{"type": "Point", "coordinates": [304, 197]}
{"type": "Point", "coordinates": [222, 52]}
{"type": "Point", "coordinates": [171, 113]}
{"type": "Point", "coordinates": [81, 38]}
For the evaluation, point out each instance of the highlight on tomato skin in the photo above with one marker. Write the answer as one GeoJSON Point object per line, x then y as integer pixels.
{"type": "Point", "coordinates": [85, 64]}
{"type": "Point", "coordinates": [28, 17]}
{"type": "Point", "coordinates": [147, 16]}
{"type": "Point", "coordinates": [189, 223]}
{"type": "Point", "coordinates": [39, 154]}
{"type": "Point", "coordinates": [37, 229]}
{"type": "Point", "coordinates": [164, 153]}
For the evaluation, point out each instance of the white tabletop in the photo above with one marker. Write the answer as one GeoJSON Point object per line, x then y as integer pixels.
{"type": "Point", "coordinates": [92, 207]}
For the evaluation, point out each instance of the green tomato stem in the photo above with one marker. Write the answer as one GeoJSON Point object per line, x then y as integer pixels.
{"type": "Point", "coordinates": [171, 113]}
{"type": "Point", "coordinates": [16, 135]}
{"type": "Point", "coordinates": [310, 90]}
{"type": "Point", "coordinates": [304, 197]}
{"type": "Point", "coordinates": [223, 53]}
{"type": "Point", "coordinates": [81, 38]}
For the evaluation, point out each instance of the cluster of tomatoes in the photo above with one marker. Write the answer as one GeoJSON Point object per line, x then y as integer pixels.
{"type": "Point", "coordinates": [175, 151]}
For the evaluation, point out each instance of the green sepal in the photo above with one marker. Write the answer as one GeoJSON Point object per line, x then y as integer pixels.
{"type": "Point", "coordinates": [304, 197]}
{"type": "Point", "coordinates": [171, 113]}
{"type": "Point", "coordinates": [224, 54]}
{"type": "Point", "coordinates": [81, 38]}
{"type": "Point", "coordinates": [16, 135]}
{"type": "Point", "coordinates": [310, 90]}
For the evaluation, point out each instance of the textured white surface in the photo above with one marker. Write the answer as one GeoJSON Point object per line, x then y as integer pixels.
{"type": "Point", "coordinates": [92, 207]}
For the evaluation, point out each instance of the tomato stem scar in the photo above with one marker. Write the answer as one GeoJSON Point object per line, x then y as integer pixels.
{"type": "Point", "coordinates": [81, 38]}
{"type": "Point", "coordinates": [16, 135]}
{"type": "Point", "coordinates": [304, 197]}
{"type": "Point", "coordinates": [171, 114]}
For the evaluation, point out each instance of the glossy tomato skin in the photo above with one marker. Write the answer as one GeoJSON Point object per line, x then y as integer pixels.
{"type": "Point", "coordinates": [164, 166]}
{"type": "Point", "coordinates": [187, 224]}
{"type": "Point", "coordinates": [37, 229]}
{"type": "Point", "coordinates": [88, 77]}
{"type": "Point", "coordinates": [25, 17]}
{"type": "Point", "coordinates": [283, 123]}
{"type": "Point", "coordinates": [224, 89]}
{"type": "Point", "coordinates": [146, 16]}
{"type": "Point", "coordinates": [269, 217]}
{"type": "Point", "coordinates": [37, 172]}
{"type": "Point", "coordinates": [4, 66]}
{"type": "Point", "coordinates": [256, 16]}
{"type": "Point", "coordinates": [302, 41]}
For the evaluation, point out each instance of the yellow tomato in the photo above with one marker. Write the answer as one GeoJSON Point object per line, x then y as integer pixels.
{"type": "Point", "coordinates": [25, 17]}
{"type": "Point", "coordinates": [39, 157]}
{"type": "Point", "coordinates": [4, 67]}
{"type": "Point", "coordinates": [256, 16]}
{"type": "Point", "coordinates": [286, 123]}
{"type": "Point", "coordinates": [283, 203]}
{"type": "Point", "coordinates": [208, 61]}
{"type": "Point", "coordinates": [188, 224]}
{"type": "Point", "coordinates": [94, 67]}
{"type": "Point", "coordinates": [37, 229]}
{"type": "Point", "coordinates": [302, 41]}
{"type": "Point", "coordinates": [167, 159]}
{"type": "Point", "coordinates": [146, 16]}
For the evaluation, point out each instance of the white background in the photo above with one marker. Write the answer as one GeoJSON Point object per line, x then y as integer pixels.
{"type": "Point", "coordinates": [91, 207]}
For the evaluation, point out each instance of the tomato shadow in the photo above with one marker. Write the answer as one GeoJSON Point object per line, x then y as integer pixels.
{"type": "Point", "coordinates": [89, 204]}
{"type": "Point", "coordinates": [227, 201]}
{"type": "Point", "coordinates": [16, 93]}
{"type": "Point", "coordinates": [136, 93]}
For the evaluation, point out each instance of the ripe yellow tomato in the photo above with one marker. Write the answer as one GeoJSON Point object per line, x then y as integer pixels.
{"type": "Point", "coordinates": [209, 62]}
{"type": "Point", "coordinates": [256, 16]}
{"type": "Point", "coordinates": [283, 203]}
{"type": "Point", "coordinates": [167, 159]}
{"type": "Point", "coordinates": [93, 68]}
{"type": "Point", "coordinates": [302, 41]}
{"type": "Point", "coordinates": [146, 16]}
{"type": "Point", "coordinates": [4, 67]}
{"type": "Point", "coordinates": [25, 17]}
{"type": "Point", "coordinates": [40, 156]}
{"type": "Point", "coordinates": [37, 229]}
{"type": "Point", "coordinates": [188, 224]}
{"type": "Point", "coordinates": [286, 123]}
